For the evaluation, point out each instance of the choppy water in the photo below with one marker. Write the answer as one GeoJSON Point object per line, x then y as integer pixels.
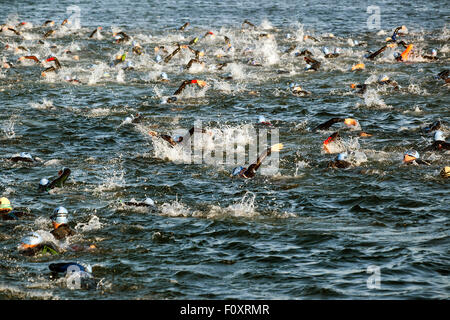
{"type": "Point", "coordinates": [305, 233]}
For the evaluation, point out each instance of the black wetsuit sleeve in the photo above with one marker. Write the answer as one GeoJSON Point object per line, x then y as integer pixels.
{"type": "Point", "coordinates": [59, 182]}
{"type": "Point", "coordinates": [168, 139]}
{"type": "Point", "coordinates": [328, 124]}
{"type": "Point", "coordinates": [170, 56]}
{"type": "Point", "coordinates": [92, 34]}
{"type": "Point", "coordinates": [376, 53]}
{"type": "Point", "coordinates": [181, 88]}
{"type": "Point", "coordinates": [251, 171]}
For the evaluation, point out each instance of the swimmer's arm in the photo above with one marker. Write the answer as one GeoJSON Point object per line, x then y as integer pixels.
{"type": "Point", "coordinates": [92, 34]}
{"type": "Point", "coordinates": [250, 172]}
{"type": "Point", "coordinates": [168, 139]}
{"type": "Point", "coordinates": [170, 56]}
{"type": "Point", "coordinates": [373, 55]}
{"type": "Point", "coordinates": [181, 88]}
{"type": "Point", "coordinates": [328, 124]}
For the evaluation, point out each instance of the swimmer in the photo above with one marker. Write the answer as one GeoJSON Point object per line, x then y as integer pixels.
{"type": "Point", "coordinates": [47, 70]}
{"type": "Point", "coordinates": [298, 91]}
{"type": "Point", "coordinates": [170, 56]}
{"type": "Point", "coordinates": [432, 127]}
{"type": "Point", "coordinates": [72, 80]}
{"type": "Point", "coordinates": [49, 33]}
{"type": "Point", "coordinates": [137, 49]}
{"type": "Point", "coordinates": [200, 83]}
{"type": "Point", "coordinates": [55, 60]}
{"type": "Point", "coordinates": [340, 162]}
{"type": "Point", "coordinates": [134, 118]}
{"type": "Point", "coordinates": [146, 203]}
{"type": "Point", "coordinates": [432, 56]}
{"type": "Point", "coordinates": [246, 22]}
{"type": "Point", "coordinates": [439, 143]}
{"type": "Point", "coordinates": [333, 138]}
{"type": "Point", "coordinates": [303, 53]}
{"type": "Point", "coordinates": [328, 54]}
{"type": "Point", "coordinates": [178, 139]}
{"type": "Point", "coordinates": [82, 272]}
{"type": "Point", "coordinates": [250, 172]}
{"type": "Point", "coordinates": [24, 157]}
{"type": "Point", "coordinates": [184, 26]}
{"type": "Point", "coordinates": [121, 37]}
{"type": "Point", "coordinates": [362, 87]}
{"type": "Point", "coordinates": [396, 33]}
{"type": "Point", "coordinates": [33, 244]}
{"type": "Point", "coordinates": [385, 80]}
{"type": "Point", "coordinates": [413, 157]}
{"type": "Point", "coordinates": [7, 212]}
{"type": "Point", "coordinates": [34, 58]}
{"type": "Point", "coordinates": [373, 55]}
{"type": "Point", "coordinates": [96, 31]}
{"type": "Point", "coordinates": [326, 125]}
{"type": "Point", "coordinates": [119, 59]}
{"type": "Point", "coordinates": [312, 63]}
{"type": "Point", "coordinates": [61, 229]}
{"type": "Point", "coordinates": [45, 185]}
{"type": "Point", "coordinates": [262, 120]}
{"type": "Point", "coordinates": [306, 37]}
{"type": "Point", "coordinates": [444, 75]}
{"type": "Point", "coordinates": [50, 23]}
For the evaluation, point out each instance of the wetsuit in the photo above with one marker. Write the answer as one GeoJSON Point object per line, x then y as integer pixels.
{"type": "Point", "coordinates": [340, 164]}
{"type": "Point", "coordinates": [22, 159]}
{"type": "Point", "coordinates": [376, 53]}
{"type": "Point", "coordinates": [62, 232]}
{"type": "Point", "coordinates": [250, 172]}
{"type": "Point", "coordinates": [315, 65]}
{"type": "Point", "coordinates": [58, 182]}
{"type": "Point", "coordinates": [438, 146]}
{"type": "Point", "coordinates": [328, 124]}
{"type": "Point", "coordinates": [13, 215]}
{"type": "Point", "coordinates": [125, 37]}
{"type": "Point", "coordinates": [86, 280]}
{"type": "Point", "coordinates": [433, 127]}
{"type": "Point", "coordinates": [184, 26]}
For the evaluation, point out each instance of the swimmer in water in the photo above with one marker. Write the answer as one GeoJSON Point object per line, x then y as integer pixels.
{"type": "Point", "coordinates": [303, 53]}
{"type": "Point", "coordinates": [444, 75]}
{"type": "Point", "coordinates": [439, 143]}
{"type": "Point", "coordinates": [24, 157]}
{"type": "Point", "coordinates": [200, 83]}
{"type": "Point", "coordinates": [326, 125]}
{"type": "Point", "coordinates": [170, 56]}
{"type": "Point", "coordinates": [50, 23]}
{"type": "Point", "coordinates": [298, 91]}
{"type": "Point", "coordinates": [7, 212]}
{"type": "Point", "coordinates": [250, 172]}
{"type": "Point", "coordinates": [178, 139]}
{"type": "Point", "coordinates": [61, 229]}
{"type": "Point", "coordinates": [262, 120]}
{"type": "Point", "coordinates": [413, 157]}
{"type": "Point", "coordinates": [96, 31]}
{"type": "Point", "coordinates": [184, 26]}
{"type": "Point", "coordinates": [80, 272]}
{"type": "Point", "coordinates": [246, 22]}
{"type": "Point", "coordinates": [333, 138]}
{"type": "Point", "coordinates": [146, 203]}
{"type": "Point", "coordinates": [137, 49]}
{"type": "Point", "coordinates": [432, 127]}
{"type": "Point", "coordinates": [45, 185]}
{"type": "Point", "coordinates": [312, 64]}
{"type": "Point", "coordinates": [328, 54]}
{"type": "Point", "coordinates": [49, 33]}
{"type": "Point", "coordinates": [33, 244]}
{"type": "Point", "coordinates": [340, 162]}
{"type": "Point", "coordinates": [432, 56]}
{"type": "Point", "coordinates": [34, 58]}
{"type": "Point", "coordinates": [385, 80]}
{"type": "Point", "coordinates": [121, 37]}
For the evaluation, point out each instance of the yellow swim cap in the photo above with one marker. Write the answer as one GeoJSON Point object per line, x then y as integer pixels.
{"type": "Point", "coordinates": [445, 172]}
{"type": "Point", "coordinates": [5, 205]}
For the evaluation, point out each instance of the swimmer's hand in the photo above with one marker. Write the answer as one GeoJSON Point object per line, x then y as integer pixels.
{"type": "Point", "coordinates": [152, 133]}
{"type": "Point", "coordinates": [276, 147]}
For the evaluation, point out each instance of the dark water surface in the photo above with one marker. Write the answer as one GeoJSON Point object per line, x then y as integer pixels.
{"type": "Point", "coordinates": [305, 233]}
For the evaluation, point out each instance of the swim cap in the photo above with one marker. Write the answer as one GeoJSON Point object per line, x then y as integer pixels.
{"type": "Point", "coordinates": [337, 50]}
{"type": "Point", "coordinates": [67, 78]}
{"type": "Point", "coordinates": [308, 66]}
{"type": "Point", "coordinates": [355, 42]}
{"type": "Point", "coordinates": [410, 155]}
{"type": "Point", "coordinates": [236, 171]}
{"type": "Point", "coordinates": [383, 78]}
{"type": "Point", "coordinates": [43, 182]}
{"type": "Point", "coordinates": [26, 155]}
{"type": "Point", "coordinates": [325, 50]}
{"type": "Point", "coordinates": [439, 136]}
{"type": "Point", "coordinates": [31, 240]}
{"type": "Point", "coordinates": [445, 172]}
{"type": "Point", "coordinates": [149, 201]}
{"type": "Point", "coordinates": [261, 119]}
{"type": "Point", "coordinates": [433, 52]}
{"type": "Point", "coordinates": [341, 156]}
{"type": "Point", "coordinates": [396, 55]}
{"type": "Point", "coordinates": [5, 205]}
{"type": "Point", "coordinates": [60, 210]}
{"type": "Point", "coordinates": [158, 58]}
{"type": "Point", "coordinates": [178, 138]}
{"type": "Point", "coordinates": [164, 76]}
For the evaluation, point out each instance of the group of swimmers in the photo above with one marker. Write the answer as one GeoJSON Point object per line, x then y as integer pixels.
{"type": "Point", "coordinates": [33, 243]}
